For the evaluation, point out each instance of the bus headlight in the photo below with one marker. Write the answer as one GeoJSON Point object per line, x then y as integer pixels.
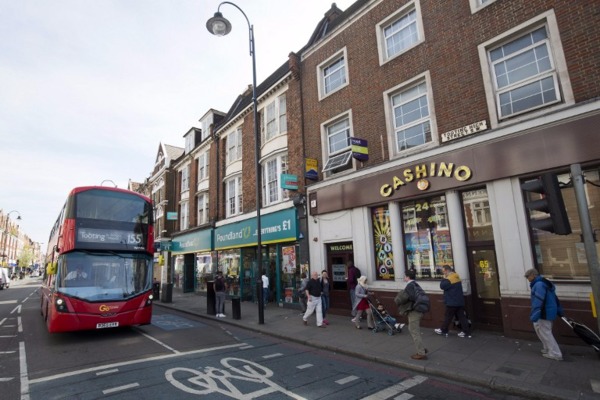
{"type": "Point", "coordinates": [60, 305]}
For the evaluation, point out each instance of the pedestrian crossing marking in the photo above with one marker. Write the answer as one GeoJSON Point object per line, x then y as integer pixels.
{"type": "Point", "coordinates": [304, 366]}
{"type": "Point", "coordinates": [272, 355]}
{"type": "Point", "coordinates": [396, 389]}
{"type": "Point", "coordinates": [347, 379]}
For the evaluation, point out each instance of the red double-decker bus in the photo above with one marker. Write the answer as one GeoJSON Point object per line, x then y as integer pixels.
{"type": "Point", "coordinates": [99, 261]}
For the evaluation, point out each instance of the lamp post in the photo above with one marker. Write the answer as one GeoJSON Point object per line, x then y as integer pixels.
{"type": "Point", "coordinates": [220, 26]}
{"type": "Point", "coordinates": [5, 244]}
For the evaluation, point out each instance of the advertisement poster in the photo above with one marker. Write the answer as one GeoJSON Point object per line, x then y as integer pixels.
{"type": "Point", "coordinates": [382, 234]}
{"type": "Point", "coordinates": [289, 259]}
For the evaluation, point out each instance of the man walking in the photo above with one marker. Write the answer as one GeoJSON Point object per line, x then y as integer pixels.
{"type": "Point", "coordinates": [220, 295]}
{"type": "Point", "coordinates": [455, 303]}
{"type": "Point", "coordinates": [313, 295]}
{"type": "Point", "coordinates": [409, 303]}
{"type": "Point", "coordinates": [545, 307]}
{"type": "Point", "coordinates": [265, 288]}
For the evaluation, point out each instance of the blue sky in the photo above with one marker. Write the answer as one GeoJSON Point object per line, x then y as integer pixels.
{"type": "Point", "coordinates": [89, 88]}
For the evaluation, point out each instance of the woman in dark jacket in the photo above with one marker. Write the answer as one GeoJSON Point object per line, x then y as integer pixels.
{"type": "Point", "coordinates": [455, 303]}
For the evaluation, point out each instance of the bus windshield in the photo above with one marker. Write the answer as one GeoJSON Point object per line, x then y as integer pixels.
{"type": "Point", "coordinates": [97, 276]}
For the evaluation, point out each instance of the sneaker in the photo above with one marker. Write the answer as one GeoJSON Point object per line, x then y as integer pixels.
{"type": "Point", "coordinates": [223, 315]}
{"type": "Point", "coordinates": [326, 322]}
{"type": "Point", "coordinates": [354, 320]}
{"type": "Point", "coordinates": [552, 357]}
{"type": "Point", "coordinates": [544, 351]}
{"type": "Point", "coordinates": [305, 322]}
{"type": "Point", "coordinates": [463, 335]}
{"type": "Point", "coordinates": [440, 332]}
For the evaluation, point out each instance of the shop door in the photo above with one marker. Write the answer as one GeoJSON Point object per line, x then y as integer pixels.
{"type": "Point", "coordinates": [188, 272]}
{"type": "Point", "coordinates": [487, 311]}
{"type": "Point", "coordinates": [336, 268]}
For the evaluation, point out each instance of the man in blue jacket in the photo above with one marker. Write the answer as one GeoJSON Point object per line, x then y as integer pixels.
{"type": "Point", "coordinates": [544, 309]}
{"type": "Point", "coordinates": [455, 303]}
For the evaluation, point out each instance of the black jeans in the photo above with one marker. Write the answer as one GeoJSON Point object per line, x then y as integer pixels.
{"type": "Point", "coordinates": [458, 313]}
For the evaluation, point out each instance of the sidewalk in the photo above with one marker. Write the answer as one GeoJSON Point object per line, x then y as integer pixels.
{"type": "Point", "coordinates": [488, 359]}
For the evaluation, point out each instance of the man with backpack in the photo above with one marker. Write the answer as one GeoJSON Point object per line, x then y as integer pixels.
{"type": "Point", "coordinates": [545, 307]}
{"type": "Point", "coordinates": [413, 302]}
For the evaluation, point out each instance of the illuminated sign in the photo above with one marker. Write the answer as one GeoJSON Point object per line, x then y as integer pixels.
{"type": "Point", "coordinates": [420, 172]}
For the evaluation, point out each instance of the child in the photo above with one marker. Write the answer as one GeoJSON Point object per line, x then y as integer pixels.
{"type": "Point", "coordinates": [388, 318]}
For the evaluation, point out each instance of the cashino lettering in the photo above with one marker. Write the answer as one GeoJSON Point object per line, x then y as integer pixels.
{"type": "Point", "coordinates": [443, 170]}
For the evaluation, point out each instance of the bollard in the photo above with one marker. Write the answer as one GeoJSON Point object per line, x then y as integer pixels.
{"type": "Point", "coordinates": [210, 298]}
{"type": "Point", "coordinates": [236, 307]}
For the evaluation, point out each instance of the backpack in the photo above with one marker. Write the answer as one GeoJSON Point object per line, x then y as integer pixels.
{"type": "Point", "coordinates": [421, 303]}
{"type": "Point", "coordinates": [357, 274]}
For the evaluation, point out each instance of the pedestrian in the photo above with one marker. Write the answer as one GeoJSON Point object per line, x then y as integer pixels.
{"type": "Point", "coordinates": [352, 281]}
{"type": "Point", "coordinates": [362, 303]}
{"type": "Point", "coordinates": [302, 292]}
{"type": "Point", "coordinates": [326, 287]}
{"type": "Point", "coordinates": [313, 294]}
{"type": "Point", "coordinates": [265, 287]}
{"type": "Point", "coordinates": [545, 307]}
{"type": "Point", "coordinates": [409, 301]}
{"type": "Point", "coordinates": [220, 293]}
{"type": "Point", "coordinates": [455, 303]}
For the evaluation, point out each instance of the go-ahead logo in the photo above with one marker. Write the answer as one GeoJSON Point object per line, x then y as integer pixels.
{"type": "Point", "coordinates": [105, 308]}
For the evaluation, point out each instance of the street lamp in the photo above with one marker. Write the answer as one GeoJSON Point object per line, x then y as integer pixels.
{"type": "Point", "coordinates": [220, 26]}
{"type": "Point", "coordinates": [5, 244]}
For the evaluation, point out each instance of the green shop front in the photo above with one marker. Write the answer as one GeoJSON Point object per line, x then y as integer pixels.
{"type": "Point", "coordinates": [192, 259]}
{"type": "Point", "coordinates": [236, 250]}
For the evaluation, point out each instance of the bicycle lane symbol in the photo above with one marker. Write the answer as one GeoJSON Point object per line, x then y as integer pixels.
{"type": "Point", "coordinates": [214, 380]}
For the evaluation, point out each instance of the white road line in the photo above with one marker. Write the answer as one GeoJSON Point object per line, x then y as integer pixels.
{"type": "Point", "coordinates": [132, 362]}
{"type": "Point", "coordinates": [158, 341]}
{"type": "Point", "coordinates": [8, 302]}
{"type": "Point", "coordinates": [595, 385]}
{"type": "Point", "coordinates": [19, 324]}
{"type": "Point", "coordinates": [404, 396]}
{"type": "Point", "coordinates": [396, 389]}
{"type": "Point", "coordinates": [24, 377]}
{"type": "Point", "coordinates": [6, 379]}
{"type": "Point", "coordinates": [8, 352]}
{"type": "Point", "coordinates": [108, 371]}
{"type": "Point", "coordinates": [2, 321]}
{"type": "Point", "coordinates": [120, 388]}
{"type": "Point", "coordinates": [347, 379]}
{"type": "Point", "coordinates": [17, 309]}
{"type": "Point", "coordinates": [272, 355]}
{"type": "Point", "coordinates": [304, 366]}
{"type": "Point", "coordinates": [8, 336]}
{"type": "Point", "coordinates": [246, 347]}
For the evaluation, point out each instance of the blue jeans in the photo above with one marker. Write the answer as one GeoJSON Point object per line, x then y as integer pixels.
{"type": "Point", "coordinates": [324, 304]}
{"type": "Point", "coordinates": [265, 296]}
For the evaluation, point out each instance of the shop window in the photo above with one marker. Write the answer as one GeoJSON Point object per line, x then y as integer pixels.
{"type": "Point", "coordinates": [427, 243]}
{"type": "Point", "coordinates": [563, 257]}
{"type": "Point", "coordinates": [382, 236]}
{"type": "Point", "coordinates": [229, 264]}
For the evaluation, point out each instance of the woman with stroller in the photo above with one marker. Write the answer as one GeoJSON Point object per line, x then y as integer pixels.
{"type": "Point", "coordinates": [362, 303]}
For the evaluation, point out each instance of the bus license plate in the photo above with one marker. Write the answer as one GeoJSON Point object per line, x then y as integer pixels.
{"type": "Point", "coordinates": [107, 325]}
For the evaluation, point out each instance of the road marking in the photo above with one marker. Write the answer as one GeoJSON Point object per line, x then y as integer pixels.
{"type": "Point", "coordinates": [595, 385]}
{"type": "Point", "coordinates": [158, 341]}
{"type": "Point", "coordinates": [347, 379]}
{"type": "Point", "coordinates": [8, 302]}
{"type": "Point", "coordinates": [23, 368]}
{"type": "Point", "coordinates": [8, 352]}
{"type": "Point", "coordinates": [272, 355]}
{"type": "Point", "coordinates": [6, 379]}
{"type": "Point", "coordinates": [246, 347]}
{"type": "Point", "coordinates": [108, 371]}
{"type": "Point", "coordinates": [19, 324]}
{"type": "Point", "coordinates": [2, 321]}
{"type": "Point", "coordinates": [396, 389]}
{"type": "Point", "coordinates": [8, 336]}
{"type": "Point", "coordinates": [120, 388]}
{"type": "Point", "coordinates": [404, 396]}
{"type": "Point", "coordinates": [132, 362]}
{"type": "Point", "coordinates": [17, 309]}
{"type": "Point", "coordinates": [304, 366]}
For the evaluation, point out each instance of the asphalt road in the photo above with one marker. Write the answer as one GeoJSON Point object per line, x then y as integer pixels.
{"type": "Point", "coordinates": [186, 357]}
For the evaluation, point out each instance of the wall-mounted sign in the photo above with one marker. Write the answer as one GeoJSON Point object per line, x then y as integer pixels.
{"type": "Point", "coordinates": [464, 131]}
{"type": "Point", "coordinates": [172, 216]}
{"type": "Point", "coordinates": [360, 149]}
{"type": "Point", "coordinates": [311, 168]}
{"type": "Point", "coordinates": [289, 181]}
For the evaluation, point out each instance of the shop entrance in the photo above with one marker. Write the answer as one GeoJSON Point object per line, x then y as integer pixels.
{"type": "Point", "coordinates": [338, 254]}
{"type": "Point", "coordinates": [483, 270]}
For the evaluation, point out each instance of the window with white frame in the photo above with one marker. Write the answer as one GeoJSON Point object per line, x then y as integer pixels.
{"type": "Point", "coordinates": [527, 70]}
{"type": "Point", "coordinates": [524, 73]}
{"type": "Point", "coordinates": [339, 152]}
{"type": "Point", "coordinates": [400, 32]}
{"type": "Point", "coordinates": [205, 126]}
{"type": "Point", "coordinates": [203, 164]}
{"type": "Point", "coordinates": [333, 74]}
{"type": "Point", "coordinates": [184, 219]}
{"type": "Point", "coordinates": [410, 116]}
{"type": "Point", "coordinates": [272, 170]}
{"type": "Point", "coordinates": [234, 146]}
{"type": "Point", "coordinates": [233, 193]}
{"type": "Point", "coordinates": [202, 202]}
{"type": "Point", "coordinates": [477, 5]}
{"type": "Point", "coordinates": [185, 181]}
{"type": "Point", "coordinates": [275, 118]}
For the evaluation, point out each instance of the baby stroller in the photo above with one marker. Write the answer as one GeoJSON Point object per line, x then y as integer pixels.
{"type": "Point", "coordinates": [384, 321]}
{"type": "Point", "coordinates": [585, 333]}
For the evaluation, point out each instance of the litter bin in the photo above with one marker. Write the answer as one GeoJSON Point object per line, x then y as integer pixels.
{"type": "Point", "coordinates": [210, 298]}
{"type": "Point", "coordinates": [156, 290]}
{"type": "Point", "coordinates": [236, 307]}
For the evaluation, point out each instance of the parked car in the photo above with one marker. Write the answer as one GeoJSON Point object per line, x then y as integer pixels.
{"type": "Point", "coordinates": [4, 278]}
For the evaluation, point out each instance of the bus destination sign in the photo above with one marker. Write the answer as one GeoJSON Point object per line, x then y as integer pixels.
{"type": "Point", "coordinates": [111, 236]}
